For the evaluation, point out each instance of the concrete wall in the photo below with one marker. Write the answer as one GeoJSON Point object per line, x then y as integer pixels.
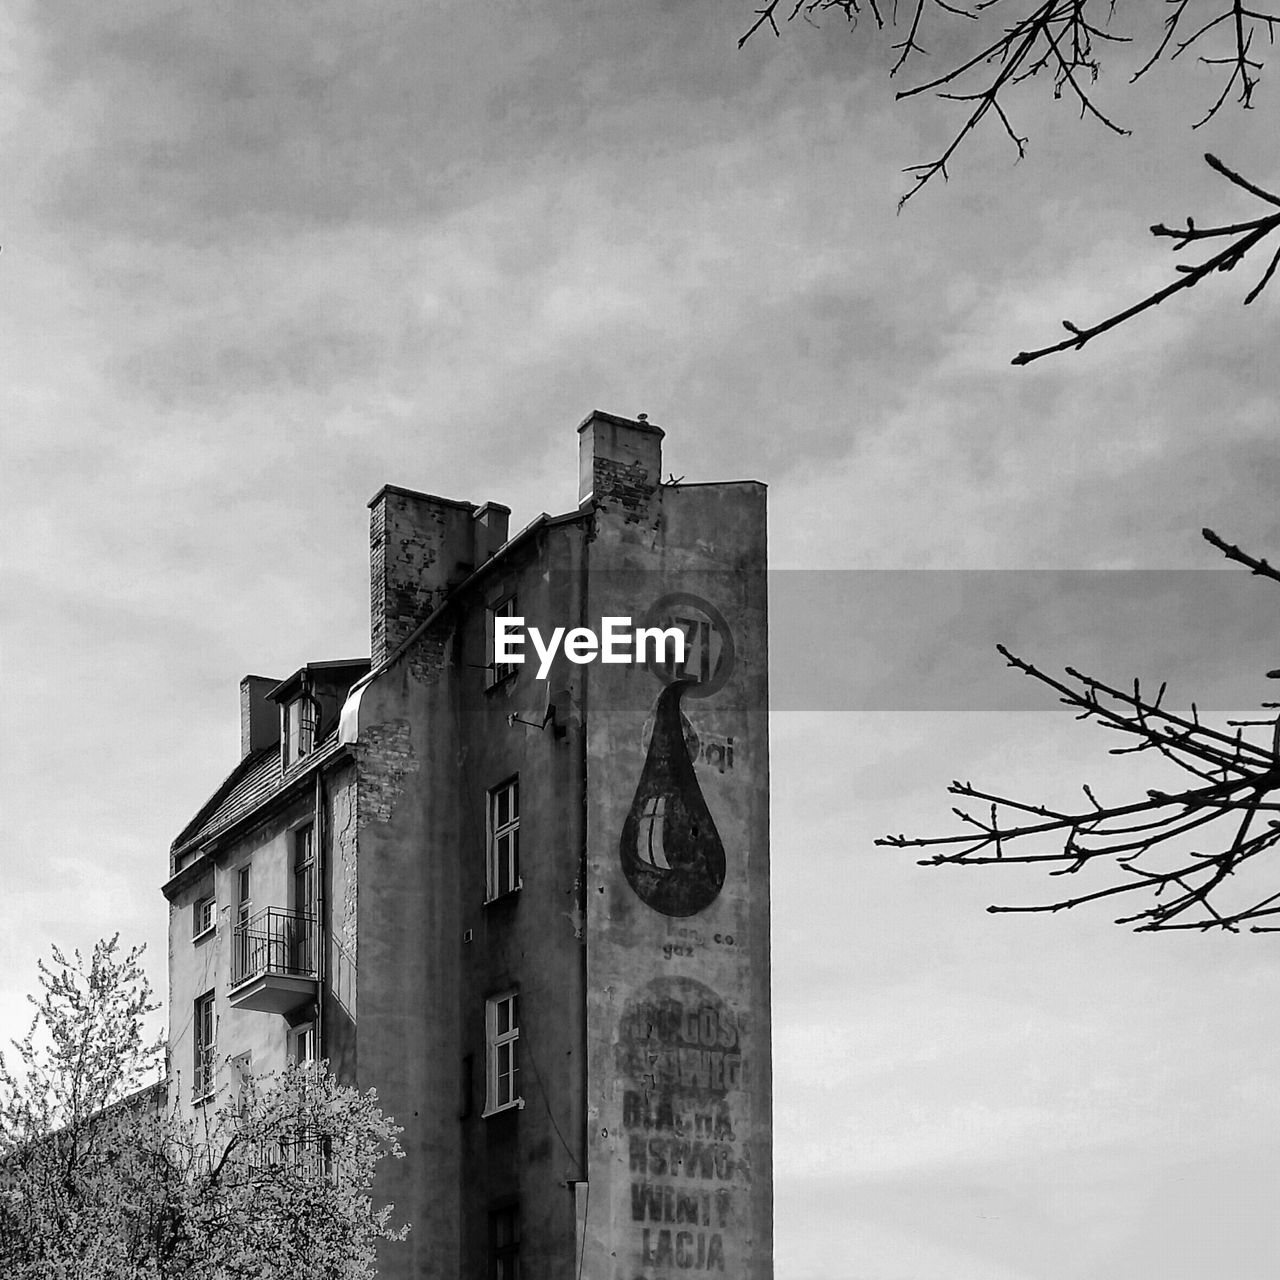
{"type": "Point", "coordinates": [679, 1083]}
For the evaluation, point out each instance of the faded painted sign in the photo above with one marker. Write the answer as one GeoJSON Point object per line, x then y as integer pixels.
{"type": "Point", "coordinates": [683, 1076]}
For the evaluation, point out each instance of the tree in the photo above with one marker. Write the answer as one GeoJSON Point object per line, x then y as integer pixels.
{"type": "Point", "coordinates": [64, 1119]}
{"type": "Point", "coordinates": [1061, 43]}
{"type": "Point", "coordinates": [1178, 851]}
{"type": "Point", "coordinates": [100, 1180]}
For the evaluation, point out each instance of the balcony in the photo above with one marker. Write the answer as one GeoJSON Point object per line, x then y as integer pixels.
{"type": "Point", "coordinates": [273, 962]}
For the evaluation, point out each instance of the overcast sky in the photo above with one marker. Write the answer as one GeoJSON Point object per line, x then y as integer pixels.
{"type": "Point", "coordinates": [260, 259]}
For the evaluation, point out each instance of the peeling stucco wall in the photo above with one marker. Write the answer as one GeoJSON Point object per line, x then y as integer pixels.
{"type": "Point", "coordinates": [386, 756]}
{"type": "Point", "coordinates": [342, 956]}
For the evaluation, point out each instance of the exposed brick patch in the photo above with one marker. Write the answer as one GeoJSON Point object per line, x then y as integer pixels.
{"type": "Point", "coordinates": [428, 658]}
{"type": "Point", "coordinates": [385, 753]}
{"type": "Point", "coordinates": [627, 484]}
{"type": "Point", "coordinates": [377, 575]}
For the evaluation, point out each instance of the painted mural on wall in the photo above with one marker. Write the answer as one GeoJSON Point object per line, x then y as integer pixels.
{"type": "Point", "coordinates": [671, 852]}
{"type": "Point", "coordinates": [682, 1074]}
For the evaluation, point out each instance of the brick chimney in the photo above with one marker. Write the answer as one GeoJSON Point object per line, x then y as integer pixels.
{"type": "Point", "coordinates": [419, 547]}
{"type": "Point", "coordinates": [259, 717]}
{"type": "Point", "coordinates": [619, 462]}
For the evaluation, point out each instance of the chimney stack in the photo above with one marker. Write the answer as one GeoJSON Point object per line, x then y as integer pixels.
{"type": "Point", "coordinates": [419, 547]}
{"type": "Point", "coordinates": [619, 462]}
{"type": "Point", "coordinates": [490, 528]}
{"type": "Point", "coordinates": [259, 717]}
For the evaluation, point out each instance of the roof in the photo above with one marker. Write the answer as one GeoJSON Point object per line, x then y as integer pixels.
{"type": "Point", "coordinates": [316, 668]}
{"type": "Point", "coordinates": [260, 776]}
{"type": "Point", "coordinates": [256, 779]}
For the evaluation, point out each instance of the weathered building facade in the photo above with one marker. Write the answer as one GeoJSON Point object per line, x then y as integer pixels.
{"type": "Point", "coordinates": [532, 912]}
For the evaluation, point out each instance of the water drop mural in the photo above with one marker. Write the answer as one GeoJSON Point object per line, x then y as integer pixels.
{"type": "Point", "coordinates": [671, 852]}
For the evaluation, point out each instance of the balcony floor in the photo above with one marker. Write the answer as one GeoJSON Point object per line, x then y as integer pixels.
{"type": "Point", "coordinates": [272, 992]}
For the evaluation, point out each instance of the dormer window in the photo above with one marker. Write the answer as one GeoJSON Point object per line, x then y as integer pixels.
{"type": "Point", "coordinates": [299, 729]}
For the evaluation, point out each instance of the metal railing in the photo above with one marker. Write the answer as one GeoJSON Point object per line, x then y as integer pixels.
{"type": "Point", "coordinates": [274, 941]}
{"type": "Point", "coordinates": [310, 1154]}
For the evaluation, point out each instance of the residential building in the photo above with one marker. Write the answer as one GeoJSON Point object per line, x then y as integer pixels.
{"type": "Point", "coordinates": [531, 910]}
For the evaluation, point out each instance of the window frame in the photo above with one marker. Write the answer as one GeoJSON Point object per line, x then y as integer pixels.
{"type": "Point", "coordinates": [300, 729]}
{"type": "Point", "coordinates": [241, 1075]}
{"type": "Point", "coordinates": [502, 1047]}
{"type": "Point", "coordinates": [244, 893]}
{"type": "Point", "coordinates": [302, 862]}
{"type": "Point", "coordinates": [504, 1253]}
{"type": "Point", "coordinates": [302, 896]}
{"type": "Point", "coordinates": [496, 672]}
{"type": "Point", "coordinates": [204, 916]}
{"type": "Point", "coordinates": [244, 913]}
{"type": "Point", "coordinates": [303, 1045]}
{"type": "Point", "coordinates": [502, 841]}
{"type": "Point", "coordinates": [204, 1039]}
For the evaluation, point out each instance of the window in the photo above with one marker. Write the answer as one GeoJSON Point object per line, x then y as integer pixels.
{"type": "Point", "coordinates": [299, 729]}
{"type": "Point", "coordinates": [242, 1076]}
{"type": "Point", "coordinates": [204, 916]}
{"type": "Point", "coordinates": [302, 1043]}
{"type": "Point", "coordinates": [502, 872]}
{"type": "Point", "coordinates": [204, 1047]}
{"type": "Point", "coordinates": [242, 960]}
{"type": "Point", "coordinates": [303, 862]}
{"type": "Point", "coordinates": [244, 895]}
{"type": "Point", "coordinates": [504, 1243]}
{"type": "Point", "coordinates": [499, 671]}
{"type": "Point", "coordinates": [303, 893]}
{"type": "Point", "coordinates": [502, 1054]}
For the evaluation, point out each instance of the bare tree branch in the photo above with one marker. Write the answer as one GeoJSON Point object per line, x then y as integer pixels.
{"type": "Point", "coordinates": [1008, 43]}
{"type": "Point", "coordinates": [1233, 552]}
{"type": "Point", "coordinates": [1248, 235]}
{"type": "Point", "coordinates": [1060, 37]}
{"type": "Point", "coordinates": [1175, 851]}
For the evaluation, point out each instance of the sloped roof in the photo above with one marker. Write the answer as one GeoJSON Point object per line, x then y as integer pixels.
{"type": "Point", "coordinates": [350, 665]}
{"type": "Point", "coordinates": [256, 779]}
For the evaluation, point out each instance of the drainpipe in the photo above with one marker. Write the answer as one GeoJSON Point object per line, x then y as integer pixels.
{"type": "Point", "coordinates": [578, 825]}
{"type": "Point", "coordinates": [320, 943]}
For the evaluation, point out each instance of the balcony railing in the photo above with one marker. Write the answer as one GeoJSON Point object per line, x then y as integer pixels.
{"type": "Point", "coordinates": [275, 951]}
